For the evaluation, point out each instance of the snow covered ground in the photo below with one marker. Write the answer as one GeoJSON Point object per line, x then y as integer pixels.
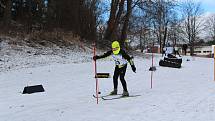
{"type": "Point", "coordinates": [186, 94]}
{"type": "Point", "coordinates": [16, 55]}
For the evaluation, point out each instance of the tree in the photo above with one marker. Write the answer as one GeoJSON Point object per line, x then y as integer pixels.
{"type": "Point", "coordinates": [118, 21]}
{"type": "Point", "coordinates": [117, 8]}
{"type": "Point", "coordinates": [2, 7]}
{"type": "Point", "coordinates": [7, 13]}
{"type": "Point", "coordinates": [164, 11]}
{"type": "Point", "coordinates": [191, 12]}
{"type": "Point", "coordinates": [78, 16]}
{"type": "Point", "coordinates": [174, 34]}
{"type": "Point", "coordinates": [156, 17]}
{"type": "Point", "coordinates": [126, 21]}
{"type": "Point", "coordinates": [210, 25]}
{"type": "Point", "coordinates": [140, 24]}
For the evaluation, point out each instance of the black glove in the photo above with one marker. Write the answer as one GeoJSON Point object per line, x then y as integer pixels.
{"type": "Point", "coordinates": [133, 68]}
{"type": "Point", "coordinates": [95, 57]}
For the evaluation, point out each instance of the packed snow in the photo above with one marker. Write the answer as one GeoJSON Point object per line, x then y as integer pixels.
{"type": "Point", "coordinates": [185, 94]}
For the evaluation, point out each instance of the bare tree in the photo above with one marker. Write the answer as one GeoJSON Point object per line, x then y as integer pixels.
{"type": "Point", "coordinates": [162, 17]}
{"type": "Point", "coordinates": [175, 31]}
{"type": "Point", "coordinates": [191, 12]}
{"type": "Point", "coordinates": [141, 22]}
{"type": "Point", "coordinates": [210, 25]}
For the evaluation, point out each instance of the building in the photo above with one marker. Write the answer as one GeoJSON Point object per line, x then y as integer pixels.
{"type": "Point", "coordinates": [201, 51]}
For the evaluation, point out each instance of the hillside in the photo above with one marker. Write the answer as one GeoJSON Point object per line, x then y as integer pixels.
{"type": "Point", "coordinates": [20, 53]}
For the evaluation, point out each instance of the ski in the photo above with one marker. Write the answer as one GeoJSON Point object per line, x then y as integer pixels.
{"type": "Point", "coordinates": [119, 97]}
{"type": "Point", "coordinates": [105, 95]}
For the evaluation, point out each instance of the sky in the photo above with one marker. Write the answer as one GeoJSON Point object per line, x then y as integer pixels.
{"type": "Point", "coordinates": [208, 5]}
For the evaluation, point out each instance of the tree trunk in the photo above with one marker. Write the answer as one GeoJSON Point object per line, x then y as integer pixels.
{"type": "Point", "coordinates": [111, 21]}
{"type": "Point", "coordinates": [164, 38]}
{"type": "Point", "coordinates": [125, 25]}
{"type": "Point", "coordinates": [7, 13]}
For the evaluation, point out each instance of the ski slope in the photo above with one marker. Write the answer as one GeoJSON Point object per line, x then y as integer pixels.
{"type": "Point", "coordinates": [186, 94]}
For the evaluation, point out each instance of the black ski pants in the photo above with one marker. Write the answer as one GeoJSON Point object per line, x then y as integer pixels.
{"type": "Point", "coordinates": [120, 72]}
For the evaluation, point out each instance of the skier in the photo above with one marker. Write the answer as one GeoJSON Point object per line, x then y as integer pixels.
{"type": "Point", "coordinates": [121, 58]}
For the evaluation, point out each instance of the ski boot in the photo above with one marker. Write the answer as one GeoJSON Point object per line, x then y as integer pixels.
{"type": "Point", "coordinates": [114, 92]}
{"type": "Point", "coordinates": [125, 94]}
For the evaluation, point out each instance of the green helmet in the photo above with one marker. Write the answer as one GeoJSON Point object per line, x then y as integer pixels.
{"type": "Point", "coordinates": [115, 47]}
